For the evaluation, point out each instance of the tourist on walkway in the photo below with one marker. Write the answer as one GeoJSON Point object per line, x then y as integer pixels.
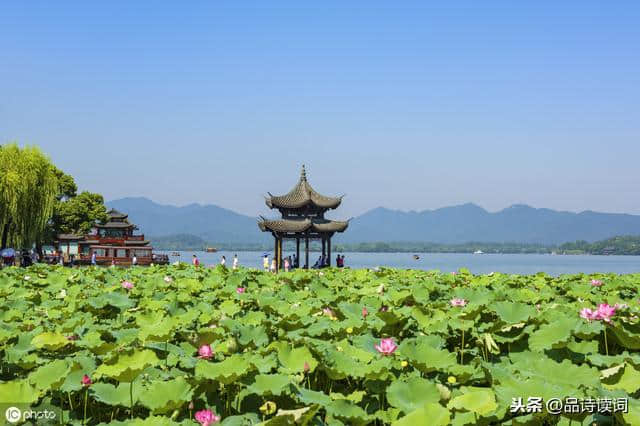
{"type": "Point", "coordinates": [286, 264]}
{"type": "Point", "coordinates": [223, 262]}
{"type": "Point", "coordinates": [134, 260]}
{"type": "Point", "coordinates": [93, 258]}
{"type": "Point", "coordinates": [195, 261]}
{"type": "Point", "coordinates": [235, 261]}
{"type": "Point", "coordinates": [265, 263]}
{"type": "Point", "coordinates": [273, 265]}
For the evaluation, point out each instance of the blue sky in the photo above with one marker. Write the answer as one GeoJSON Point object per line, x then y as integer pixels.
{"type": "Point", "coordinates": [408, 105]}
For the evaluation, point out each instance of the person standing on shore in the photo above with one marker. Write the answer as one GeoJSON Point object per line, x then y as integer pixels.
{"type": "Point", "coordinates": [265, 263]}
{"type": "Point", "coordinates": [273, 265]}
{"type": "Point", "coordinates": [195, 261]}
{"type": "Point", "coordinates": [286, 264]}
{"type": "Point", "coordinates": [223, 262]}
{"type": "Point", "coordinates": [93, 259]}
{"type": "Point", "coordinates": [134, 260]}
{"type": "Point", "coordinates": [235, 261]}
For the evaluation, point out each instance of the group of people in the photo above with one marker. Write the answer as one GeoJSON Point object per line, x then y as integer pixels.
{"type": "Point", "coordinates": [223, 261]}
{"type": "Point", "coordinates": [25, 258]}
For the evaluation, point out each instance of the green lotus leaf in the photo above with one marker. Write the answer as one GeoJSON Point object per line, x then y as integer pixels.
{"type": "Point", "coordinates": [307, 396]}
{"type": "Point", "coordinates": [432, 414]}
{"type": "Point", "coordinates": [252, 334]}
{"type": "Point", "coordinates": [513, 312]}
{"type": "Point", "coordinates": [227, 371]}
{"type": "Point", "coordinates": [627, 335]}
{"type": "Point", "coordinates": [425, 357]}
{"type": "Point", "coordinates": [50, 376]}
{"type": "Point", "coordinates": [627, 379]}
{"type": "Point", "coordinates": [165, 396]}
{"type": "Point", "coordinates": [412, 394]}
{"type": "Point", "coordinates": [550, 335]}
{"type": "Point", "coordinates": [293, 359]}
{"type": "Point", "coordinates": [112, 395]}
{"type": "Point", "coordinates": [269, 384]}
{"type": "Point", "coordinates": [478, 400]}
{"type": "Point", "coordinates": [347, 410]}
{"type": "Point", "coordinates": [127, 366]}
{"type": "Point", "coordinates": [18, 392]}
{"type": "Point", "coordinates": [50, 341]}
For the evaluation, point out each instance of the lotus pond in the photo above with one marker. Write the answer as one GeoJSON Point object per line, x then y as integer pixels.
{"type": "Point", "coordinates": [184, 345]}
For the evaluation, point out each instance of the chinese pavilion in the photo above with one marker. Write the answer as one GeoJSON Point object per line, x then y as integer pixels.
{"type": "Point", "coordinates": [302, 211]}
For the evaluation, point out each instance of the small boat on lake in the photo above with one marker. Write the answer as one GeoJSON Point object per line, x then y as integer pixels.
{"type": "Point", "coordinates": [416, 257]}
{"type": "Point", "coordinates": [478, 252]}
{"type": "Point", "coordinates": [211, 250]}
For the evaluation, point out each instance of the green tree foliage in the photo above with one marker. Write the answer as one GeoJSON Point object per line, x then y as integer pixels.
{"type": "Point", "coordinates": [78, 214]}
{"type": "Point", "coordinates": [28, 189]}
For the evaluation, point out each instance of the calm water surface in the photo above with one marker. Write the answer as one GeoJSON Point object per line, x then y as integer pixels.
{"type": "Point", "coordinates": [476, 263]}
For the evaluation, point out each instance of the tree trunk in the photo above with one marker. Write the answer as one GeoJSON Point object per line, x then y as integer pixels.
{"type": "Point", "coordinates": [5, 235]}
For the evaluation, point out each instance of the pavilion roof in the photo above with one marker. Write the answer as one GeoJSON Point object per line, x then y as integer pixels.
{"type": "Point", "coordinates": [302, 225]}
{"type": "Point", "coordinates": [302, 195]}
{"type": "Point", "coordinates": [115, 214]}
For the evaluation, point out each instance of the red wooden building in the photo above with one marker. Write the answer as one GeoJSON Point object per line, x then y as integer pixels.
{"type": "Point", "coordinates": [113, 242]}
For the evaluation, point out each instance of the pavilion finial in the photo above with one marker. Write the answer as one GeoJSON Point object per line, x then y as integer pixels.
{"type": "Point", "coordinates": [303, 173]}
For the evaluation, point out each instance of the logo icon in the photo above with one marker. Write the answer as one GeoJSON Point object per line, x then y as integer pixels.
{"type": "Point", "coordinates": [13, 414]}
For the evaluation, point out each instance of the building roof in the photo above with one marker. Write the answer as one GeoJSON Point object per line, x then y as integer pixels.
{"type": "Point", "coordinates": [302, 195]}
{"type": "Point", "coordinates": [302, 225]}
{"type": "Point", "coordinates": [136, 242]}
{"type": "Point", "coordinates": [115, 214]}
{"type": "Point", "coordinates": [117, 225]}
{"type": "Point", "coordinates": [67, 237]}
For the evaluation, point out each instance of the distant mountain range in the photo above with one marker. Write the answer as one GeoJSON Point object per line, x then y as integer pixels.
{"type": "Point", "coordinates": [449, 225]}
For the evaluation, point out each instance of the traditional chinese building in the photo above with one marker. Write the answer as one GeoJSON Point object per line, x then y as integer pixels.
{"type": "Point", "coordinates": [302, 211]}
{"type": "Point", "coordinates": [112, 242]}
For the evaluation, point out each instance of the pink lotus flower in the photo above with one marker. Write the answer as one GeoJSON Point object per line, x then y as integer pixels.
{"type": "Point", "coordinates": [588, 314]}
{"type": "Point", "coordinates": [386, 346]}
{"type": "Point", "coordinates": [205, 352]}
{"type": "Point", "coordinates": [206, 417]}
{"type": "Point", "coordinates": [86, 381]}
{"type": "Point", "coordinates": [128, 285]}
{"type": "Point", "coordinates": [364, 312]}
{"type": "Point", "coordinates": [454, 273]}
{"type": "Point", "coordinates": [306, 367]}
{"type": "Point", "coordinates": [240, 290]}
{"type": "Point", "coordinates": [458, 302]}
{"type": "Point", "coordinates": [596, 283]}
{"type": "Point", "coordinates": [605, 312]}
{"type": "Point", "coordinates": [168, 279]}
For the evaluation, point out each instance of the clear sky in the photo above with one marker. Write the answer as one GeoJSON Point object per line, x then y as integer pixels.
{"type": "Point", "coordinates": [410, 105]}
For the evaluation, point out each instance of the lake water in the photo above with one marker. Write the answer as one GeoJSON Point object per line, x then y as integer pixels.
{"type": "Point", "coordinates": [446, 262]}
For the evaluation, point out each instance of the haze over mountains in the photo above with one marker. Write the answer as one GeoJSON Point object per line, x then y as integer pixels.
{"type": "Point", "coordinates": [448, 225]}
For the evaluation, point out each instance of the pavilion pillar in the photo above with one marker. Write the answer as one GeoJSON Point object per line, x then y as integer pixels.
{"type": "Point", "coordinates": [324, 245]}
{"type": "Point", "coordinates": [298, 250]}
{"type": "Point", "coordinates": [329, 251]}
{"type": "Point", "coordinates": [280, 254]}
{"type": "Point", "coordinates": [306, 252]}
{"type": "Point", "coordinates": [275, 251]}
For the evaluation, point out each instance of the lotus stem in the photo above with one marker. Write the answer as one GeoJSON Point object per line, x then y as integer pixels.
{"type": "Point", "coordinates": [462, 349]}
{"type": "Point", "coordinates": [606, 346]}
{"type": "Point", "coordinates": [86, 393]}
{"type": "Point", "coordinates": [131, 398]}
{"type": "Point", "coordinates": [70, 403]}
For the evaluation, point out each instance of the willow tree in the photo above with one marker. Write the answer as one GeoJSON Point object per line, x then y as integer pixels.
{"type": "Point", "coordinates": [28, 189]}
